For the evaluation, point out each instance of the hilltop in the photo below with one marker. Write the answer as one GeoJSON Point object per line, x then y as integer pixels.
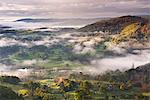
{"type": "Point", "coordinates": [133, 31]}
{"type": "Point", "coordinates": [113, 25]}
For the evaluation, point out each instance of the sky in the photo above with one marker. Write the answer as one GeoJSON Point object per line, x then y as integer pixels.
{"type": "Point", "coordinates": [73, 8]}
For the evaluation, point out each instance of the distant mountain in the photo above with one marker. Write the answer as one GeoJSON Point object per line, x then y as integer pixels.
{"type": "Point", "coordinates": [35, 20]}
{"type": "Point", "coordinates": [53, 19]}
{"type": "Point", "coordinates": [113, 25]}
{"type": "Point", "coordinates": [4, 27]}
{"type": "Point", "coordinates": [61, 22]}
{"type": "Point", "coordinates": [25, 19]}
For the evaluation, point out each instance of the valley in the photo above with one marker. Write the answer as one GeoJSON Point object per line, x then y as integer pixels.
{"type": "Point", "coordinates": [62, 63]}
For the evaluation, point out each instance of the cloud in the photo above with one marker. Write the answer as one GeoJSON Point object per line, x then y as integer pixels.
{"type": "Point", "coordinates": [73, 8]}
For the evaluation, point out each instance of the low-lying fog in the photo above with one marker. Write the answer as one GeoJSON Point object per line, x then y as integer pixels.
{"type": "Point", "coordinates": [97, 66]}
{"type": "Point", "coordinates": [47, 41]}
{"type": "Point", "coordinates": [13, 71]}
{"type": "Point", "coordinates": [52, 23]}
{"type": "Point", "coordinates": [120, 62]}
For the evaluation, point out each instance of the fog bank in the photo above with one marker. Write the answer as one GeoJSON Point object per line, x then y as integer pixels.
{"type": "Point", "coordinates": [120, 62]}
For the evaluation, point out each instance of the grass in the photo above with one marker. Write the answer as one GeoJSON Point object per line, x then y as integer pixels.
{"type": "Point", "coordinates": [60, 64]}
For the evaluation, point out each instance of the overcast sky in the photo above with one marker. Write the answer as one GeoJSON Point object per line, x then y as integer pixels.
{"type": "Point", "coordinates": [73, 8]}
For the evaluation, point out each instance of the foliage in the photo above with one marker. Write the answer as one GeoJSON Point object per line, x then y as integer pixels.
{"type": "Point", "coordinates": [68, 85]}
{"type": "Point", "coordinates": [56, 52]}
{"type": "Point", "coordinates": [100, 49]}
{"type": "Point", "coordinates": [23, 92]}
{"type": "Point", "coordinates": [146, 94]}
{"type": "Point", "coordinates": [10, 79]}
{"type": "Point", "coordinates": [8, 94]}
{"type": "Point", "coordinates": [31, 85]}
{"type": "Point", "coordinates": [113, 85]}
{"type": "Point", "coordinates": [57, 56]}
{"type": "Point", "coordinates": [146, 28]}
{"type": "Point", "coordinates": [8, 50]}
{"type": "Point", "coordinates": [128, 32]}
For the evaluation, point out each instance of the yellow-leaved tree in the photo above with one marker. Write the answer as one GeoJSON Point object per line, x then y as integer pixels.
{"type": "Point", "coordinates": [127, 32]}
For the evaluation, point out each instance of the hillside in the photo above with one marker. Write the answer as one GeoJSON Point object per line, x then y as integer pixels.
{"type": "Point", "coordinates": [125, 31]}
{"type": "Point", "coordinates": [113, 25]}
{"type": "Point", "coordinates": [141, 71]}
{"type": "Point", "coordinates": [137, 31]}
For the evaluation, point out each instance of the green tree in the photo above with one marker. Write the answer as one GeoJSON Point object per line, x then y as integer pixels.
{"type": "Point", "coordinates": [84, 92]}
{"type": "Point", "coordinates": [32, 86]}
